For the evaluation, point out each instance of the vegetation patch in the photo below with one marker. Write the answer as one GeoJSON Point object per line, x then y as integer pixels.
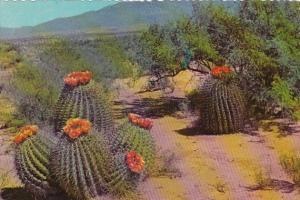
{"type": "Point", "coordinates": [291, 163]}
{"type": "Point", "coordinates": [8, 56]}
{"type": "Point", "coordinates": [34, 95]}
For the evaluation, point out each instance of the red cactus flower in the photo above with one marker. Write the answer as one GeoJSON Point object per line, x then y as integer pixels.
{"type": "Point", "coordinates": [140, 121]}
{"type": "Point", "coordinates": [133, 117]}
{"type": "Point", "coordinates": [220, 71]}
{"type": "Point", "coordinates": [78, 78]}
{"type": "Point", "coordinates": [145, 123]}
{"type": "Point", "coordinates": [76, 127]}
{"type": "Point", "coordinates": [135, 162]}
{"type": "Point", "coordinates": [24, 133]}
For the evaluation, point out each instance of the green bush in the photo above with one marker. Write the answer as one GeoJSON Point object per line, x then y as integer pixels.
{"type": "Point", "coordinates": [115, 55]}
{"type": "Point", "coordinates": [34, 95]}
{"type": "Point", "coordinates": [283, 94]}
{"type": "Point", "coordinates": [8, 56]}
{"type": "Point", "coordinates": [62, 53]}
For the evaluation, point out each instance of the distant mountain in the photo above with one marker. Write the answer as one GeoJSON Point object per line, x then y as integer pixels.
{"type": "Point", "coordinates": [124, 16]}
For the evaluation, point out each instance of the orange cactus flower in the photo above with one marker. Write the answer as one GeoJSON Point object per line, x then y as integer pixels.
{"type": "Point", "coordinates": [77, 127]}
{"type": "Point", "coordinates": [133, 117]}
{"type": "Point", "coordinates": [145, 123]}
{"type": "Point", "coordinates": [135, 162]}
{"type": "Point", "coordinates": [78, 78]}
{"type": "Point", "coordinates": [220, 71]}
{"type": "Point", "coordinates": [24, 133]}
{"type": "Point", "coordinates": [140, 121]}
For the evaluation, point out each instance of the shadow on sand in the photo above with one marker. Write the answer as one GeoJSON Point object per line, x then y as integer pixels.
{"type": "Point", "coordinates": [275, 184]}
{"type": "Point", "coordinates": [15, 194]}
{"type": "Point", "coordinates": [149, 107]}
{"type": "Point", "coordinates": [19, 193]}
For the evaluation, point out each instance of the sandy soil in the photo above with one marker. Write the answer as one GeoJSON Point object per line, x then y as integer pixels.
{"type": "Point", "coordinates": [235, 176]}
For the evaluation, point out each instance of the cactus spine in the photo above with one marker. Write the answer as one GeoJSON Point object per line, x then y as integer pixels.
{"type": "Point", "coordinates": [222, 108]}
{"type": "Point", "coordinates": [32, 161]}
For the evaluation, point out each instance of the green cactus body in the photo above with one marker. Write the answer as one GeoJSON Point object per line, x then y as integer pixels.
{"type": "Point", "coordinates": [32, 160]}
{"type": "Point", "coordinates": [130, 137]}
{"type": "Point", "coordinates": [86, 102]}
{"type": "Point", "coordinates": [222, 108]}
{"type": "Point", "coordinates": [84, 167]}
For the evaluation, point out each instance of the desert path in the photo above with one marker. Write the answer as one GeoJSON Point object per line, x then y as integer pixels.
{"type": "Point", "coordinates": [213, 155]}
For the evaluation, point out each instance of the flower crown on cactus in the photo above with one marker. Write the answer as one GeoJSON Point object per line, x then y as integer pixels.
{"type": "Point", "coordinates": [221, 71]}
{"type": "Point", "coordinates": [135, 162]}
{"type": "Point", "coordinates": [78, 78]}
{"type": "Point", "coordinates": [140, 121]}
{"type": "Point", "coordinates": [24, 133]}
{"type": "Point", "coordinates": [77, 127]}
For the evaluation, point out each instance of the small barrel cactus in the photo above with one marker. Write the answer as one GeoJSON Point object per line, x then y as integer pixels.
{"type": "Point", "coordinates": [222, 108]}
{"type": "Point", "coordinates": [82, 164]}
{"type": "Point", "coordinates": [32, 160]}
{"type": "Point", "coordinates": [83, 98]}
{"type": "Point", "coordinates": [130, 137]}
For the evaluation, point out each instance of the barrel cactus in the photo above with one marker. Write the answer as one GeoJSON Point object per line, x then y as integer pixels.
{"type": "Point", "coordinates": [222, 108]}
{"type": "Point", "coordinates": [87, 158]}
{"type": "Point", "coordinates": [83, 98]}
{"type": "Point", "coordinates": [130, 137]}
{"type": "Point", "coordinates": [82, 164]}
{"type": "Point", "coordinates": [32, 160]}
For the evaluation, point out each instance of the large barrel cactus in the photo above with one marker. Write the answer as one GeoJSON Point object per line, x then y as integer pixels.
{"type": "Point", "coordinates": [84, 99]}
{"type": "Point", "coordinates": [222, 108]}
{"type": "Point", "coordinates": [130, 137]}
{"type": "Point", "coordinates": [32, 160]}
{"type": "Point", "coordinates": [83, 166]}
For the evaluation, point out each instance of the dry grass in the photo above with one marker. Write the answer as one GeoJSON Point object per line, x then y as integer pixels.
{"type": "Point", "coordinates": [164, 166]}
{"type": "Point", "coordinates": [291, 164]}
{"type": "Point", "coordinates": [6, 179]}
{"type": "Point", "coordinates": [263, 180]}
{"type": "Point", "coordinates": [9, 118]}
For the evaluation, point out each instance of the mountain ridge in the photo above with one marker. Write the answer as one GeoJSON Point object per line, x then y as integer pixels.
{"type": "Point", "coordinates": [122, 16]}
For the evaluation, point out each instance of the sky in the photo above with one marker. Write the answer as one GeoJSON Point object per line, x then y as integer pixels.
{"type": "Point", "coordinates": [18, 13]}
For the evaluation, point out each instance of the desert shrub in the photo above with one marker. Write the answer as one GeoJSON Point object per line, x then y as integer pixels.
{"type": "Point", "coordinates": [60, 52]}
{"type": "Point", "coordinates": [34, 95]}
{"type": "Point", "coordinates": [114, 54]}
{"type": "Point", "coordinates": [284, 98]}
{"type": "Point", "coordinates": [9, 116]}
{"type": "Point", "coordinates": [104, 56]}
{"type": "Point", "coordinates": [291, 164]}
{"type": "Point", "coordinates": [8, 56]}
{"type": "Point", "coordinates": [193, 98]}
{"type": "Point", "coordinates": [259, 40]}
